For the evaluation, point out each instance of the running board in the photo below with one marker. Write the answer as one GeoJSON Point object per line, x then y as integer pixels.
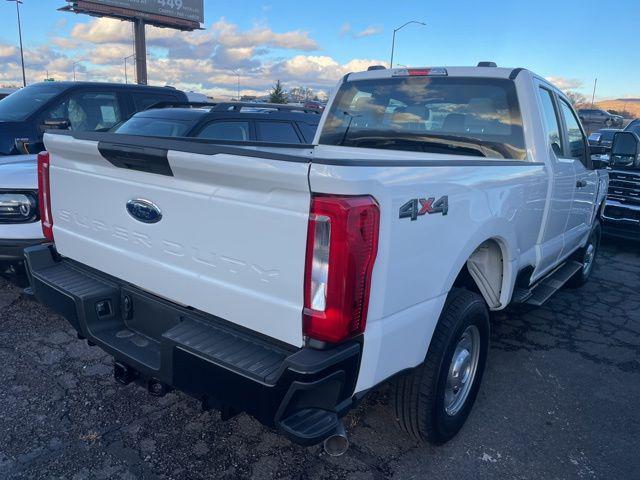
{"type": "Point", "coordinates": [547, 287]}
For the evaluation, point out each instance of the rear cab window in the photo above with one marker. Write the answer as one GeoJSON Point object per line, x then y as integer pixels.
{"type": "Point", "coordinates": [471, 116]}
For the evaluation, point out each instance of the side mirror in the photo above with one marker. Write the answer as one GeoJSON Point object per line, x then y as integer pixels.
{"type": "Point", "coordinates": [56, 124]}
{"type": "Point", "coordinates": [625, 150]}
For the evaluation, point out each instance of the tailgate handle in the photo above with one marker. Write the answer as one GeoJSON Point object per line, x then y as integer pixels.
{"type": "Point", "coordinates": [141, 159]}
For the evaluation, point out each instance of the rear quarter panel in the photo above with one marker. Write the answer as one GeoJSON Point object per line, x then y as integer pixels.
{"type": "Point", "coordinates": [418, 261]}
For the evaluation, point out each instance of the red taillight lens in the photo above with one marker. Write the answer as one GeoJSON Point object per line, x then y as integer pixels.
{"type": "Point", "coordinates": [44, 198]}
{"type": "Point", "coordinates": [342, 245]}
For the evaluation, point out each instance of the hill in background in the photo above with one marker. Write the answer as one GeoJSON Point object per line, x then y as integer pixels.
{"type": "Point", "coordinates": [630, 105]}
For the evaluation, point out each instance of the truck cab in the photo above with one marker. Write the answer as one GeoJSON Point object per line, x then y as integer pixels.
{"type": "Point", "coordinates": [289, 281]}
{"type": "Point", "coordinates": [621, 217]}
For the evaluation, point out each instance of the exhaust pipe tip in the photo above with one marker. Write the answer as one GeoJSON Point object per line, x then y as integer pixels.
{"type": "Point", "coordinates": [337, 443]}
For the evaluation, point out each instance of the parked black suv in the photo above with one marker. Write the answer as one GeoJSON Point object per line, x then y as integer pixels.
{"type": "Point", "coordinates": [27, 113]}
{"type": "Point", "coordinates": [233, 122]}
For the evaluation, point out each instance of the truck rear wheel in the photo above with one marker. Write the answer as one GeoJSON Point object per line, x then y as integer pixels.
{"type": "Point", "coordinates": [433, 401]}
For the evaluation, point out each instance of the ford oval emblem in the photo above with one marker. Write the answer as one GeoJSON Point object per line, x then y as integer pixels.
{"type": "Point", "coordinates": [144, 211]}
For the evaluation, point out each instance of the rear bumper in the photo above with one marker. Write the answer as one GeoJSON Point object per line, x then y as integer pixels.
{"type": "Point", "coordinates": [302, 392]}
{"type": "Point", "coordinates": [12, 250]}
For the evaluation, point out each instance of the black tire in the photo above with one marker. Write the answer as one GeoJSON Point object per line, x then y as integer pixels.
{"type": "Point", "coordinates": [583, 275]}
{"type": "Point", "coordinates": [420, 393]}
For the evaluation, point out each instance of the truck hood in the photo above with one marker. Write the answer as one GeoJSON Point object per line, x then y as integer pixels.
{"type": "Point", "coordinates": [18, 172]}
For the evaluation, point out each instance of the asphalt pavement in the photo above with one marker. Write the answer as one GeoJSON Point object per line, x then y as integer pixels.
{"type": "Point", "coordinates": [560, 400]}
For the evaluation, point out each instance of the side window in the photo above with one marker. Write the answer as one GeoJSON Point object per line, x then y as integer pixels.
{"type": "Point", "coordinates": [226, 130]}
{"type": "Point", "coordinates": [551, 123]}
{"type": "Point", "coordinates": [575, 137]}
{"type": "Point", "coordinates": [277, 132]}
{"type": "Point", "coordinates": [88, 111]}
{"type": "Point", "coordinates": [142, 101]}
{"type": "Point", "coordinates": [308, 131]}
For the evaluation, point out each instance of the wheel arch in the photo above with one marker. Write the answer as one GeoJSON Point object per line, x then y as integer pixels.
{"type": "Point", "coordinates": [487, 267]}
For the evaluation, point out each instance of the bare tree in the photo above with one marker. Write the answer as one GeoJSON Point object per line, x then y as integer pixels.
{"type": "Point", "coordinates": [577, 99]}
{"type": "Point", "coordinates": [300, 94]}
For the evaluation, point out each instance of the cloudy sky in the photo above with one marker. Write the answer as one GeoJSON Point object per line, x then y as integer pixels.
{"type": "Point", "coordinates": [312, 44]}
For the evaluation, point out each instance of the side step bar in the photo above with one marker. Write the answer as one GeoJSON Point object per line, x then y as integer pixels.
{"type": "Point", "coordinates": [542, 291]}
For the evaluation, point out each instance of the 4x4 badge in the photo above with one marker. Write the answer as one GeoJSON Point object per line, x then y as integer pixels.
{"type": "Point", "coordinates": [424, 206]}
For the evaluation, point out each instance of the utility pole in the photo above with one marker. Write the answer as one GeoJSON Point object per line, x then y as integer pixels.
{"type": "Point", "coordinates": [593, 97]}
{"type": "Point", "coordinates": [141, 51]}
{"type": "Point", "coordinates": [24, 76]}
{"type": "Point", "coordinates": [396, 30]}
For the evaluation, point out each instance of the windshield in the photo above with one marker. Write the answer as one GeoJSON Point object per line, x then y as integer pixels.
{"type": "Point", "coordinates": [156, 127]}
{"type": "Point", "coordinates": [449, 115]}
{"type": "Point", "coordinates": [21, 104]}
{"type": "Point", "coordinates": [633, 127]}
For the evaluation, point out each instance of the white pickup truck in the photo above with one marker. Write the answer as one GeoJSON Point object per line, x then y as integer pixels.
{"type": "Point", "coordinates": [288, 281]}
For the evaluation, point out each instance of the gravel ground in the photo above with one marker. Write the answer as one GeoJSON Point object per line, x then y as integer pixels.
{"type": "Point", "coordinates": [559, 400]}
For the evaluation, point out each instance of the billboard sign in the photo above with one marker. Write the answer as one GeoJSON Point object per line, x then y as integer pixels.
{"type": "Point", "coordinates": [191, 10]}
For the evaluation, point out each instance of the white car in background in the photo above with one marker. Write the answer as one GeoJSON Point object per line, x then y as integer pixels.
{"type": "Point", "coordinates": [19, 219]}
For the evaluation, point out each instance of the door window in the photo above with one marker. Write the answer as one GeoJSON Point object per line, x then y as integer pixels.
{"type": "Point", "coordinates": [308, 131]}
{"type": "Point", "coordinates": [87, 111]}
{"type": "Point", "coordinates": [226, 130]}
{"type": "Point", "coordinates": [277, 132]}
{"type": "Point", "coordinates": [550, 120]}
{"type": "Point", "coordinates": [575, 137]}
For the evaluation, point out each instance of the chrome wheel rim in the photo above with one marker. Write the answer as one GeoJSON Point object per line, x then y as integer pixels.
{"type": "Point", "coordinates": [462, 370]}
{"type": "Point", "coordinates": [589, 256]}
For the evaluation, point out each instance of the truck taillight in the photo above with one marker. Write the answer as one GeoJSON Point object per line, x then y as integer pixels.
{"type": "Point", "coordinates": [342, 244]}
{"type": "Point", "coordinates": [44, 197]}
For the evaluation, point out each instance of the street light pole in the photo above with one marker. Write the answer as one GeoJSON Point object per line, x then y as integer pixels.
{"type": "Point", "coordinates": [73, 66]}
{"type": "Point", "coordinates": [396, 30]}
{"type": "Point", "coordinates": [24, 76]}
{"type": "Point", "coordinates": [126, 77]}
{"type": "Point", "coordinates": [238, 74]}
{"type": "Point", "coordinates": [593, 97]}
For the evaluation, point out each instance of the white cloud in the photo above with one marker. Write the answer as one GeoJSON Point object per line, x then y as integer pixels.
{"type": "Point", "coordinates": [564, 83]}
{"type": "Point", "coordinates": [228, 35]}
{"type": "Point", "coordinates": [203, 60]}
{"type": "Point", "coordinates": [369, 31]}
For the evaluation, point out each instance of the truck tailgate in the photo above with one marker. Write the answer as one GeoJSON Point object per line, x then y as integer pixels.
{"type": "Point", "coordinates": [232, 234]}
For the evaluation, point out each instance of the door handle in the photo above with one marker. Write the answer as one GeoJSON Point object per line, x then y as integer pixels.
{"type": "Point", "coordinates": [581, 183]}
